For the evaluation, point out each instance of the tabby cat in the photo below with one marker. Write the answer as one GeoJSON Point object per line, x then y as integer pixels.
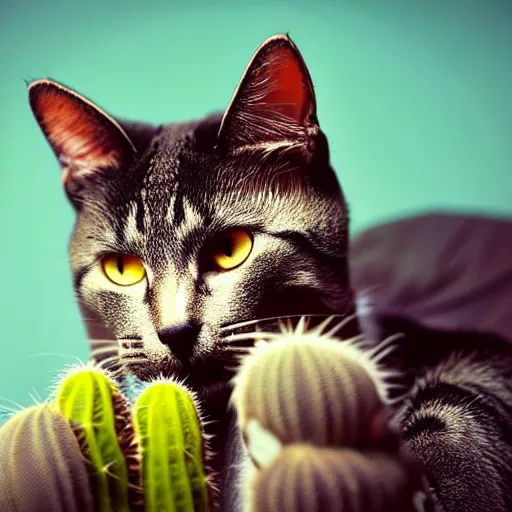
{"type": "Point", "coordinates": [187, 233]}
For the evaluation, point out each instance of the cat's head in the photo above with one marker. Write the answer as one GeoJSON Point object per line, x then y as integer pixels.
{"type": "Point", "coordinates": [185, 230]}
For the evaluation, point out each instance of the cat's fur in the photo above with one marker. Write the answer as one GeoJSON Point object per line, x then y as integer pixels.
{"type": "Point", "coordinates": [162, 192]}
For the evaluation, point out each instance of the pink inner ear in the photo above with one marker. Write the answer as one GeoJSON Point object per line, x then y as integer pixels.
{"type": "Point", "coordinates": [76, 130]}
{"type": "Point", "coordinates": [287, 91]}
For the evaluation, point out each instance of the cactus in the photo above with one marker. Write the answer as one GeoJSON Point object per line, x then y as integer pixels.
{"type": "Point", "coordinates": [310, 388]}
{"type": "Point", "coordinates": [313, 413]}
{"type": "Point", "coordinates": [89, 400]}
{"type": "Point", "coordinates": [311, 409]}
{"type": "Point", "coordinates": [169, 433]}
{"type": "Point", "coordinates": [83, 451]}
{"type": "Point", "coordinates": [38, 442]}
{"type": "Point", "coordinates": [306, 477]}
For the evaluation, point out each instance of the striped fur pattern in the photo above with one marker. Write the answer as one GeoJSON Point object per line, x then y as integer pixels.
{"type": "Point", "coordinates": [164, 210]}
{"type": "Point", "coordinates": [162, 192]}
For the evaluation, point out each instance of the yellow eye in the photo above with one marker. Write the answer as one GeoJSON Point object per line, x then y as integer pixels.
{"type": "Point", "coordinates": [231, 248]}
{"type": "Point", "coordinates": [123, 269]}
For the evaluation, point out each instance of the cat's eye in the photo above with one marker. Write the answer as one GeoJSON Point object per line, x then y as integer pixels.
{"type": "Point", "coordinates": [231, 248]}
{"type": "Point", "coordinates": [123, 269]}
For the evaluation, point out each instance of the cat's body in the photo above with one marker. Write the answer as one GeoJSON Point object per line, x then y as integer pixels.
{"type": "Point", "coordinates": [457, 415]}
{"type": "Point", "coordinates": [185, 232]}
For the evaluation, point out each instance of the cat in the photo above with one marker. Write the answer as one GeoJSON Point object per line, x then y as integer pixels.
{"type": "Point", "coordinates": [187, 233]}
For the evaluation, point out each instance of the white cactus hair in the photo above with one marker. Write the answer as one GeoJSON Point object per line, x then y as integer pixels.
{"type": "Point", "coordinates": [315, 414]}
{"type": "Point", "coordinates": [366, 353]}
{"type": "Point", "coordinates": [73, 369]}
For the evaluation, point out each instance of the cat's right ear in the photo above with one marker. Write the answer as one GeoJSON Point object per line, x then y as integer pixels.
{"type": "Point", "coordinates": [84, 138]}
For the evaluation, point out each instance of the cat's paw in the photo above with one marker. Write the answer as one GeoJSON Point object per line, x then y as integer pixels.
{"type": "Point", "coordinates": [314, 417]}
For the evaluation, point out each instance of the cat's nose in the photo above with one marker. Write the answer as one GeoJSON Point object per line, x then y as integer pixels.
{"type": "Point", "coordinates": [180, 339]}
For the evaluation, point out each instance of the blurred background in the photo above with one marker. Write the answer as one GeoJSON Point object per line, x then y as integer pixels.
{"type": "Point", "coordinates": [414, 96]}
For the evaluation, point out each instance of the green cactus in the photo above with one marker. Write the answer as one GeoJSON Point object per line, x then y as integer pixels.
{"type": "Point", "coordinates": [90, 401]}
{"type": "Point", "coordinates": [169, 433]}
{"type": "Point", "coordinates": [83, 451]}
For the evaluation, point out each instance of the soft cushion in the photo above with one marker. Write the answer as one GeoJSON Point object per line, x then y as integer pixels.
{"type": "Point", "coordinates": [445, 271]}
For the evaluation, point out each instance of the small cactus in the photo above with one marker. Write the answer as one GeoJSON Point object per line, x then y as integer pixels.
{"type": "Point", "coordinates": [305, 478]}
{"type": "Point", "coordinates": [43, 467]}
{"type": "Point", "coordinates": [313, 413]}
{"type": "Point", "coordinates": [168, 431]}
{"type": "Point", "coordinates": [310, 388]}
{"type": "Point", "coordinates": [89, 449]}
{"type": "Point", "coordinates": [90, 401]}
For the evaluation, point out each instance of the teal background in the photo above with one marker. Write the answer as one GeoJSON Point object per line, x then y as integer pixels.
{"type": "Point", "coordinates": [415, 97]}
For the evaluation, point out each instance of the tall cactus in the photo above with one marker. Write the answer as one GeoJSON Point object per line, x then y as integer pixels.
{"type": "Point", "coordinates": [98, 414]}
{"type": "Point", "coordinates": [169, 433]}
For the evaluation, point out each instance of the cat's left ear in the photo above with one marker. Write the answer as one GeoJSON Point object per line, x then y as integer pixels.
{"type": "Point", "coordinates": [84, 138]}
{"type": "Point", "coordinates": [273, 107]}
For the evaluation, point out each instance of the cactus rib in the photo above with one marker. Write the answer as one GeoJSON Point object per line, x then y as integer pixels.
{"type": "Point", "coordinates": [34, 444]}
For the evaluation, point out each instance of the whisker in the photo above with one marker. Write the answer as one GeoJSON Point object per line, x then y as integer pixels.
{"type": "Point", "coordinates": [97, 361]}
{"type": "Point", "coordinates": [251, 336]}
{"type": "Point", "coordinates": [34, 398]}
{"type": "Point", "coordinates": [97, 341]}
{"type": "Point", "coordinates": [37, 395]}
{"type": "Point", "coordinates": [300, 330]}
{"type": "Point", "coordinates": [8, 410]}
{"type": "Point", "coordinates": [18, 406]}
{"type": "Point", "coordinates": [134, 360]}
{"type": "Point", "coordinates": [104, 363]}
{"type": "Point", "coordinates": [104, 350]}
{"type": "Point", "coordinates": [6, 413]}
{"type": "Point", "coordinates": [112, 340]}
{"type": "Point", "coordinates": [54, 354]}
{"type": "Point", "coordinates": [115, 373]}
{"type": "Point", "coordinates": [247, 323]}
{"type": "Point", "coordinates": [244, 350]}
